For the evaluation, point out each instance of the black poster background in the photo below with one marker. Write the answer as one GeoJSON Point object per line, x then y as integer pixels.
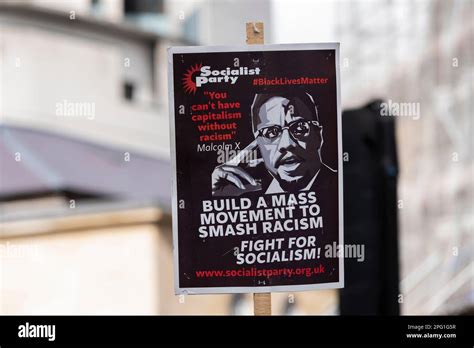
{"type": "Point", "coordinates": [193, 168]}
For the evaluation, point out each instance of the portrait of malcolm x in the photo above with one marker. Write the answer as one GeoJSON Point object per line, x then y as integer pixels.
{"type": "Point", "coordinates": [288, 140]}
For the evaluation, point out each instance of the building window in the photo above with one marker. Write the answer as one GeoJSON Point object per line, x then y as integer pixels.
{"type": "Point", "coordinates": [143, 6]}
{"type": "Point", "coordinates": [191, 26]}
{"type": "Point", "coordinates": [128, 91]}
{"type": "Point", "coordinates": [96, 7]}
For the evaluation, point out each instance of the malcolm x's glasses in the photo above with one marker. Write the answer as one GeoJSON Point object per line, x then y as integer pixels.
{"type": "Point", "coordinates": [298, 129]}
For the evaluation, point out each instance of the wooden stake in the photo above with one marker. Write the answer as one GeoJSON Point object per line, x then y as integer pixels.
{"type": "Point", "coordinates": [262, 303]}
{"type": "Point", "coordinates": [255, 34]}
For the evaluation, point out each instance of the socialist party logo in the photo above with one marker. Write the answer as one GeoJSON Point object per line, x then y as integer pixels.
{"type": "Point", "coordinates": [199, 75]}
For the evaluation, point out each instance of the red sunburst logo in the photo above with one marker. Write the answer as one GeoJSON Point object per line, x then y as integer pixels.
{"type": "Point", "coordinates": [188, 83]}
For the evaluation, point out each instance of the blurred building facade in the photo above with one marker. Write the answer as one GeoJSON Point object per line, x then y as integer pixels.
{"type": "Point", "coordinates": [84, 123]}
{"type": "Point", "coordinates": [422, 52]}
{"type": "Point", "coordinates": [65, 58]}
{"type": "Point", "coordinates": [85, 222]}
